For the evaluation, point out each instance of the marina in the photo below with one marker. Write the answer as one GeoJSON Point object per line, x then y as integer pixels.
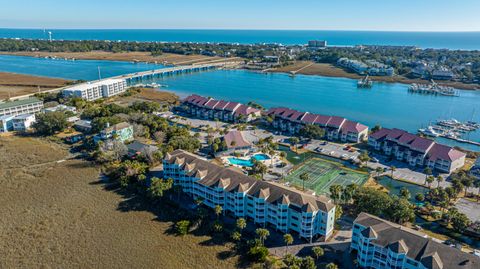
{"type": "Point", "coordinates": [452, 129]}
{"type": "Point", "coordinates": [433, 88]}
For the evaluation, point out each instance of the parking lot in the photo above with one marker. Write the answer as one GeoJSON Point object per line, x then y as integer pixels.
{"type": "Point", "coordinates": [469, 208]}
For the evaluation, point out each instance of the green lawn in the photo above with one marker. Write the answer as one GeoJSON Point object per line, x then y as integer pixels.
{"type": "Point", "coordinates": [323, 174]}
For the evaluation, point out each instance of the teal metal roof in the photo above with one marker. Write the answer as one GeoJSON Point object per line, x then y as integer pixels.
{"type": "Point", "coordinates": [20, 102]}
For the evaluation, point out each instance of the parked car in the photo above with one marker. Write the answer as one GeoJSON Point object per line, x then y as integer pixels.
{"type": "Point", "coordinates": [375, 160]}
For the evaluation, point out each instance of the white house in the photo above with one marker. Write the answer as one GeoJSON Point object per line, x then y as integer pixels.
{"type": "Point", "coordinates": [61, 107]}
{"type": "Point", "coordinates": [23, 122]}
{"type": "Point", "coordinates": [265, 203]}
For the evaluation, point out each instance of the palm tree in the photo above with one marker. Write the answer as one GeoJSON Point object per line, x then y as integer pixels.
{"type": "Point", "coordinates": [318, 252]}
{"type": "Point", "coordinates": [241, 224]}
{"type": "Point", "coordinates": [288, 239]}
{"type": "Point", "coordinates": [379, 170]}
{"type": "Point", "coordinates": [262, 234]}
{"type": "Point", "coordinates": [364, 158]}
{"type": "Point", "coordinates": [236, 236]}
{"type": "Point", "coordinates": [335, 192]}
{"type": "Point", "coordinates": [331, 266]}
{"type": "Point", "coordinates": [476, 184]}
{"type": "Point", "coordinates": [429, 181]}
{"type": "Point", "coordinates": [427, 171]}
{"type": "Point", "coordinates": [348, 192]}
{"type": "Point", "coordinates": [392, 170]}
{"type": "Point", "coordinates": [218, 211]}
{"type": "Point", "coordinates": [439, 180]}
{"type": "Point", "coordinates": [294, 141]}
{"type": "Point", "coordinates": [304, 177]}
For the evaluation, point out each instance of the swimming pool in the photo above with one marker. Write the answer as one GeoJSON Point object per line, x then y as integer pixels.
{"type": "Point", "coordinates": [248, 163]}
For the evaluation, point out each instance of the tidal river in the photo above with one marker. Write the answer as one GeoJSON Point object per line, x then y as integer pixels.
{"type": "Point", "coordinates": [387, 104]}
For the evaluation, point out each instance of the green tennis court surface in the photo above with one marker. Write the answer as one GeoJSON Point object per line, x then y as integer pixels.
{"type": "Point", "coordinates": [323, 174]}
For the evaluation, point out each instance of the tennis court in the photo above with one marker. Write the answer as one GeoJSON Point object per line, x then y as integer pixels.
{"type": "Point", "coordinates": [322, 174]}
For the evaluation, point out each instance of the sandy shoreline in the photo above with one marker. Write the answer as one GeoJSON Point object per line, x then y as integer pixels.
{"type": "Point", "coordinates": [328, 70]}
{"type": "Point", "coordinates": [13, 84]}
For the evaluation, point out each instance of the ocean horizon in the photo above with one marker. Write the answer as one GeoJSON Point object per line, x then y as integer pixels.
{"type": "Point", "coordinates": [436, 40]}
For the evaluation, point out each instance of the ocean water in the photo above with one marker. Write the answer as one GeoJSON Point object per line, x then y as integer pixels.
{"type": "Point", "coordinates": [67, 69]}
{"type": "Point", "coordinates": [387, 104]}
{"type": "Point", "coordinates": [449, 40]}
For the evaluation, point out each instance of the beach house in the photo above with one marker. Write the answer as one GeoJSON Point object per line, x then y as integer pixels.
{"type": "Point", "coordinates": [24, 122]}
{"type": "Point", "coordinates": [122, 131]}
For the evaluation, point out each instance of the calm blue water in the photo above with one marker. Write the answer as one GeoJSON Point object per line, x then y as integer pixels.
{"type": "Point", "coordinates": [79, 69]}
{"type": "Point", "coordinates": [450, 40]}
{"type": "Point", "coordinates": [387, 104]}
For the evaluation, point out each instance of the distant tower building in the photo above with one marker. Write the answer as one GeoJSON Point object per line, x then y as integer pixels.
{"type": "Point", "coordinates": [317, 44]}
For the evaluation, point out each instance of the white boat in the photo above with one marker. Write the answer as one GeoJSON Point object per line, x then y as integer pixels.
{"type": "Point", "coordinates": [429, 132]}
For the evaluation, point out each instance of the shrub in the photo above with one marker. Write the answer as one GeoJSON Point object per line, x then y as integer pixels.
{"type": "Point", "coordinates": [181, 227]}
{"type": "Point", "coordinates": [257, 253]}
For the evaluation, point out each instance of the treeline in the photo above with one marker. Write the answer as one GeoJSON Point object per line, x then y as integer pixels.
{"type": "Point", "coordinates": [155, 48]}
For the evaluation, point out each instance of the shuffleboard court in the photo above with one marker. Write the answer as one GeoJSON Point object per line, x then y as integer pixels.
{"type": "Point", "coordinates": [323, 174]}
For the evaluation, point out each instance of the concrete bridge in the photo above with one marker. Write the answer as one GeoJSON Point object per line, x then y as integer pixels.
{"type": "Point", "coordinates": [135, 78]}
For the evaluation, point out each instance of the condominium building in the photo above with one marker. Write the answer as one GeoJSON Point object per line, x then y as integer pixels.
{"type": "Point", "coordinates": [95, 90]}
{"type": "Point", "coordinates": [209, 108]}
{"type": "Point", "coordinates": [381, 244]}
{"type": "Point", "coordinates": [21, 106]}
{"type": "Point", "coordinates": [336, 128]}
{"type": "Point", "coordinates": [416, 150]}
{"type": "Point", "coordinates": [265, 203]}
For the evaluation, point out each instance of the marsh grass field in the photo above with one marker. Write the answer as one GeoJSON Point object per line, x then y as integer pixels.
{"type": "Point", "coordinates": [59, 215]}
{"type": "Point", "coordinates": [19, 84]}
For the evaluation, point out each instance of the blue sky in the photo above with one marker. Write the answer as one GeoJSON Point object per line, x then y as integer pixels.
{"type": "Point", "coordinates": [396, 15]}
